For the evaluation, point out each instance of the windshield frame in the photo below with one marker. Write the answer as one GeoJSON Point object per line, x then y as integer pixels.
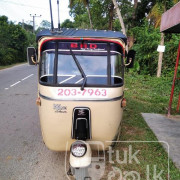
{"type": "Point", "coordinates": [109, 76]}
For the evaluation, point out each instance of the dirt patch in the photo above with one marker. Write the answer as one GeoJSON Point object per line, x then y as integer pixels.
{"type": "Point", "coordinates": [133, 130]}
{"type": "Point", "coordinates": [176, 117]}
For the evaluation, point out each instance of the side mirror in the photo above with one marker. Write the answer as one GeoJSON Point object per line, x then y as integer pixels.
{"type": "Point", "coordinates": [31, 56]}
{"type": "Point", "coordinates": [130, 59]}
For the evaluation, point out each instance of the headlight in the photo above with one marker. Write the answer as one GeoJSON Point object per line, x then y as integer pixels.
{"type": "Point", "coordinates": [78, 149]}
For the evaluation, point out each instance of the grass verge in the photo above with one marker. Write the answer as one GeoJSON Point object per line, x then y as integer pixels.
{"type": "Point", "coordinates": [149, 95]}
{"type": "Point", "coordinates": [8, 66]}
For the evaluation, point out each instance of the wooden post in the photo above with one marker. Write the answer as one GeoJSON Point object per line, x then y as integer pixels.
{"type": "Point", "coordinates": [160, 57]}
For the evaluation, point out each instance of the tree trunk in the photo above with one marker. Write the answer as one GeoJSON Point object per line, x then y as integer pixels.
{"type": "Point", "coordinates": [134, 13]}
{"type": "Point", "coordinates": [89, 13]}
{"type": "Point", "coordinates": [160, 57]}
{"type": "Point", "coordinates": [119, 16]}
{"type": "Point", "coordinates": [111, 13]}
{"type": "Point", "coordinates": [135, 7]}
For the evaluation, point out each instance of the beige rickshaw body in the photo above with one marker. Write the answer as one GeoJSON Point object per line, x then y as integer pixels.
{"type": "Point", "coordinates": [56, 124]}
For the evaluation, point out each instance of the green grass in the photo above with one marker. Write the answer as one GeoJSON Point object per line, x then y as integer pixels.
{"type": "Point", "coordinates": [145, 94]}
{"type": "Point", "coordinates": [8, 66]}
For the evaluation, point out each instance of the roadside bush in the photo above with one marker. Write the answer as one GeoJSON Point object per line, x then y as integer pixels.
{"type": "Point", "coordinates": [2, 53]}
{"type": "Point", "coordinates": [170, 54]}
{"type": "Point", "coordinates": [147, 39]}
{"type": "Point", "coordinates": [13, 42]}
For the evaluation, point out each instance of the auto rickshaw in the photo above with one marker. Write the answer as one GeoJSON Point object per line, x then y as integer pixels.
{"type": "Point", "coordinates": [80, 90]}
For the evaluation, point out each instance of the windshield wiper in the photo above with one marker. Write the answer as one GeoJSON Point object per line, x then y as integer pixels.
{"type": "Point", "coordinates": [80, 69]}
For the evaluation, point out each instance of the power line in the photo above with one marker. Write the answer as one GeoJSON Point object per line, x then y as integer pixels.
{"type": "Point", "coordinates": [20, 4]}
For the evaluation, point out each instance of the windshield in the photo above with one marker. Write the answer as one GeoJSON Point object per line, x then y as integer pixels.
{"type": "Point", "coordinates": [94, 65]}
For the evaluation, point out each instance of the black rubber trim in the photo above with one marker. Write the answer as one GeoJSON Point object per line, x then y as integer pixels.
{"type": "Point", "coordinates": [79, 85]}
{"type": "Point", "coordinates": [108, 65]}
{"type": "Point", "coordinates": [52, 99]}
{"type": "Point", "coordinates": [91, 85]}
{"type": "Point", "coordinates": [55, 63]}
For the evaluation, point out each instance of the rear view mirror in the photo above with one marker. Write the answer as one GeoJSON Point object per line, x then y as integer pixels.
{"type": "Point", "coordinates": [31, 56]}
{"type": "Point", "coordinates": [130, 59]}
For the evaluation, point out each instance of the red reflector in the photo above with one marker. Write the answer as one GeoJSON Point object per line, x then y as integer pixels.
{"type": "Point", "coordinates": [123, 102]}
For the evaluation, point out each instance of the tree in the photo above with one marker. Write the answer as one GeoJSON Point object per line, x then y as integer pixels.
{"type": "Point", "coordinates": [3, 19]}
{"type": "Point", "coordinates": [155, 18]}
{"type": "Point", "coordinates": [147, 40]}
{"type": "Point", "coordinates": [13, 42]}
{"type": "Point", "coordinates": [67, 24]}
{"type": "Point", "coordinates": [45, 24]}
{"type": "Point", "coordinates": [111, 15]}
{"type": "Point", "coordinates": [27, 27]}
{"type": "Point", "coordinates": [86, 3]}
{"type": "Point", "coordinates": [119, 16]}
{"type": "Point", "coordinates": [100, 17]}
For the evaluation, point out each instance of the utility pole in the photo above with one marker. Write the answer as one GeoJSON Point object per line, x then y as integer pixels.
{"type": "Point", "coordinates": [23, 23]}
{"type": "Point", "coordinates": [34, 16]}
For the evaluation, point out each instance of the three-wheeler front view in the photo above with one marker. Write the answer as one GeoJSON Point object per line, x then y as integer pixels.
{"type": "Point", "coordinates": [80, 90]}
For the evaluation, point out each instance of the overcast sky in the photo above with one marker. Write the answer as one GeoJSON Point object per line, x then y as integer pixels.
{"type": "Point", "coordinates": [19, 10]}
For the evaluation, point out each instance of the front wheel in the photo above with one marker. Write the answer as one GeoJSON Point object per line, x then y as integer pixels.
{"type": "Point", "coordinates": [81, 173]}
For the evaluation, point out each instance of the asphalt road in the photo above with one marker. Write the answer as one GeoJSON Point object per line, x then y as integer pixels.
{"type": "Point", "coordinates": [23, 154]}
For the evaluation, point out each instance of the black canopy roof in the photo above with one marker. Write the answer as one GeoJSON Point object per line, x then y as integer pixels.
{"type": "Point", "coordinates": [67, 32]}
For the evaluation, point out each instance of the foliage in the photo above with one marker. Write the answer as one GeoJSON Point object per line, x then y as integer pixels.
{"type": "Point", "coordinates": [67, 24]}
{"type": "Point", "coordinates": [158, 9]}
{"type": "Point", "coordinates": [99, 18]}
{"type": "Point", "coordinates": [127, 11]}
{"type": "Point", "coordinates": [31, 39]}
{"type": "Point", "coordinates": [100, 11]}
{"type": "Point", "coordinates": [27, 27]}
{"type": "Point", "coordinates": [155, 14]}
{"type": "Point", "coordinates": [80, 15]}
{"type": "Point", "coordinates": [143, 8]}
{"type": "Point", "coordinates": [45, 24]}
{"type": "Point", "coordinates": [147, 40]}
{"type": "Point", "coordinates": [170, 54]}
{"type": "Point", "coordinates": [136, 68]}
{"type": "Point", "coordinates": [13, 42]}
{"type": "Point", "coordinates": [86, 3]}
